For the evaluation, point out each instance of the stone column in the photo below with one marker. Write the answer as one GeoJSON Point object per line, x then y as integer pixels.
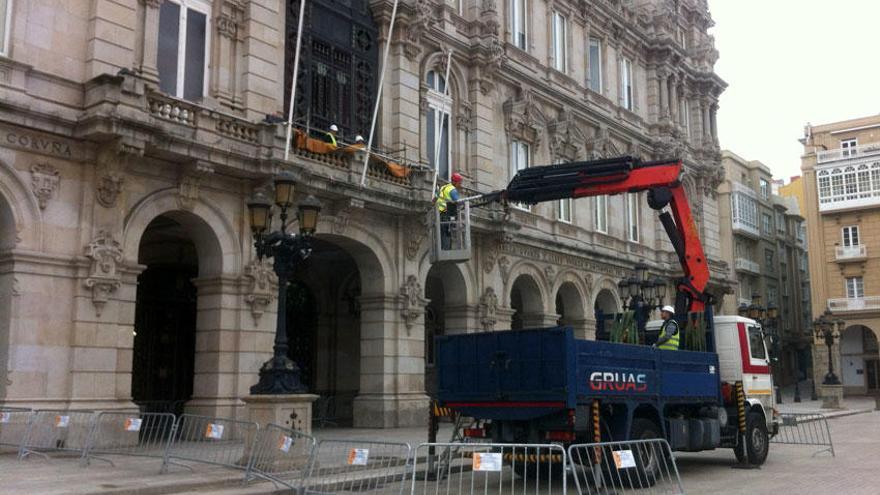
{"type": "Point", "coordinates": [392, 388]}
{"type": "Point", "coordinates": [226, 64]}
{"type": "Point", "coordinates": [539, 320]}
{"type": "Point", "coordinates": [713, 123]}
{"type": "Point", "coordinates": [461, 319]}
{"type": "Point", "coordinates": [215, 372]}
{"type": "Point", "coordinates": [664, 97]}
{"type": "Point", "coordinates": [503, 318]}
{"type": "Point", "coordinates": [707, 132]}
{"type": "Point", "coordinates": [584, 329]}
{"type": "Point", "coordinates": [149, 62]}
{"type": "Point", "coordinates": [673, 101]}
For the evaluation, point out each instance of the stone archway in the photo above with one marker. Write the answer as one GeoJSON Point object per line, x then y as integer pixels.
{"type": "Point", "coordinates": [859, 361]}
{"type": "Point", "coordinates": [570, 308]}
{"type": "Point", "coordinates": [7, 279]}
{"type": "Point", "coordinates": [605, 307]}
{"type": "Point", "coordinates": [446, 313]}
{"type": "Point", "coordinates": [527, 303]}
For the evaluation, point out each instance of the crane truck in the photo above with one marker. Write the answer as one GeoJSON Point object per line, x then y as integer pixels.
{"type": "Point", "coordinates": [545, 385]}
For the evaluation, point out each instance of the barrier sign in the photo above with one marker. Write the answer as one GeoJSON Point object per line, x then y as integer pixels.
{"type": "Point", "coordinates": [487, 461]}
{"type": "Point", "coordinates": [358, 457]}
{"type": "Point", "coordinates": [133, 424]}
{"type": "Point", "coordinates": [284, 443]}
{"type": "Point", "coordinates": [624, 459]}
{"type": "Point", "coordinates": [214, 431]}
{"type": "Point", "coordinates": [62, 421]}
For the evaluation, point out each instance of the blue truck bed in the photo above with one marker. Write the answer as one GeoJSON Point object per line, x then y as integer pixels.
{"type": "Point", "coordinates": [525, 374]}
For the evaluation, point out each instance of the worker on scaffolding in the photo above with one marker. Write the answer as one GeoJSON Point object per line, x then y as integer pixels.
{"type": "Point", "coordinates": [446, 203]}
{"type": "Point", "coordinates": [330, 136]}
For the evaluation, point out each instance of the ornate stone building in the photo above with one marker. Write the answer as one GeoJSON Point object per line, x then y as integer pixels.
{"type": "Point", "coordinates": [126, 158]}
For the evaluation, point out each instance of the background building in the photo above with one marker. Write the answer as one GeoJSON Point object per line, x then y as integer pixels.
{"type": "Point", "coordinates": [126, 263]}
{"type": "Point", "coordinates": [841, 166]}
{"type": "Point", "coordinates": [763, 238]}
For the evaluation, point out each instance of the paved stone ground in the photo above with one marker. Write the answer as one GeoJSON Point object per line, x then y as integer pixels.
{"type": "Point", "coordinates": [789, 469]}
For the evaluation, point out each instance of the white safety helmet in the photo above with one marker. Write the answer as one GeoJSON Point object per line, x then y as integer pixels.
{"type": "Point", "coordinates": [359, 139]}
{"type": "Point", "coordinates": [334, 128]}
{"type": "Point", "coordinates": [668, 309]}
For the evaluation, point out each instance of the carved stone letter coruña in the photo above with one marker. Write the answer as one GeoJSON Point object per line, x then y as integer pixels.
{"type": "Point", "coordinates": [488, 309]}
{"type": "Point", "coordinates": [104, 277]}
{"type": "Point", "coordinates": [412, 303]}
{"type": "Point", "coordinates": [44, 180]}
{"type": "Point", "coordinates": [262, 287]}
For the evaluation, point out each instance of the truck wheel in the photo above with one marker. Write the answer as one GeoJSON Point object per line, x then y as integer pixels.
{"type": "Point", "coordinates": [757, 441]}
{"type": "Point", "coordinates": [650, 459]}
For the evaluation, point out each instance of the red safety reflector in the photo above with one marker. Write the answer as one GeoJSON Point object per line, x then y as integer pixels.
{"type": "Point", "coordinates": [560, 436]}
{"type": "Point", "coordinates": [475, 433]}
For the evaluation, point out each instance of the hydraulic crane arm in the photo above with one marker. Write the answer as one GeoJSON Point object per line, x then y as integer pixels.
{"type": "Point", "coordinates": [626, 175]}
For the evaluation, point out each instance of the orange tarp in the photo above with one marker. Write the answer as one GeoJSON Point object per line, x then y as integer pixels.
{"type": "Point", "coordinates": [302, 141]}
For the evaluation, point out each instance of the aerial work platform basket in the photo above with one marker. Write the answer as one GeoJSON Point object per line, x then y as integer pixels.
{"type": "Point", "coordinates": [451, 234]}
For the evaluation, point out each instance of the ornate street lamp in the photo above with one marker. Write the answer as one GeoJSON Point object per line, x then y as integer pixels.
{"type": "Point", "coordinates": [280, 374]}
{"type": "Point", "coordinates": [827, 329]}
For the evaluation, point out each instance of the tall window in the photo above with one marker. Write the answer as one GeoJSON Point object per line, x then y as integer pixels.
{"type": "Point", "coordinates": [769, 260]}
{"type": "Point", "coordinates": [626, 84]}
{"type": "Point", "coordinates": [685, 112]}
{"type": "Point", "coordinates": [765, 189]}
{"type": "Point", "coordinates": [851, 236]}
{"type": "Point", "coordinates": [601, 214]}
{"type": "Point", "coordinates": [5, 17]}
{"type": "Point", "coordinates": [632, 216]}
{"type": "Point", "coordinates": [560, 37]}
{"type": "Point", "coordinates": [519, 160]}
{"type": "Point", "coordinates": [439, 109]}
{"type": "Point", "coordinates": [848, 147]}
{"type": "Point", "coordinates": [772, 296]}
{"type": "Point", "coordinates": [518, 23]}
{"type": "Point", "coordinates": [855, 287]}
{"type": "Point", "coordinates": [183, 47]}
{"type": "Point", "coordinates": [745, 210]}
{"type": "Point", "coordinates": [767, 223]}
{"type": "Point", "coordinates": [595, 64]}
{"type": "Point", "coordinates": [565, 210]}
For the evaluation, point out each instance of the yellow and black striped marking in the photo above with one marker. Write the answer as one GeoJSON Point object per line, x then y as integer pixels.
{"type": "Point", "coordinates": [441, 412]}
{"type": "Point", "coordinates": [741, 406]}
{"type": "Point", "coordinates": [597, 433]}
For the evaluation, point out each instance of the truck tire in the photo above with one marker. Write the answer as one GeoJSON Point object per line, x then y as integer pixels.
{"type": "Point", "coordinates": [649, 459]}
{"type": "Point", "coordinates": [545, 470]}
{"type": "Point", "coordinates": [757, 441]}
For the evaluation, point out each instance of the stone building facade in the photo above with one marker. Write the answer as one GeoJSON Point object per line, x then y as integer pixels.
{"type": "Point", "coordinates": [841, 174]}
{"type": "Point", "coordinates": [127, 270]}
{"type": "Point", "coordinates": [763, 238]}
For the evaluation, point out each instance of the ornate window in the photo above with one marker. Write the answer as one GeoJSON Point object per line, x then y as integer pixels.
{"type": "Point", "coordinates": [849, 183]}
{"type": "Point", "coordinates": [601, 214]}
{"type": "Point", "coordinates": [338, 67]}
{"type": "Point", "coordinates": [595, 65]}
{"type": "Point", "coordinates": [627, 99]}
{"type": "Point", "coordinates": [520, 157]}
{"type": "Point", "coordinates": [518, 24]}
{"type": "Point", "coordinates": [560, 40]}
{"type": "Point", "coordinates": [184, 39]}
{"type": "Point", "coordinates": [437, 128]}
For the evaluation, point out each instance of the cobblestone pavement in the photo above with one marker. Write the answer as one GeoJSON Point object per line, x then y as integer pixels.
{"type": "Point", "coordinates": [793, 469]}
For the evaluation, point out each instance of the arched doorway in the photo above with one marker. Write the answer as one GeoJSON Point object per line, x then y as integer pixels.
{"type": "Point", "coordinates": [526, 302]}
{"type": "Point", "coordinates": [605, 307]}
{"type": "Point", "coordinates": [163, 361]}
{"type": "Point", "coordinates": [324, 327]}
{"type": "Point", "coordinates": [7, 242]}
{"type": "Point", "coordinates": [859, 361]}
{"type": "Point", "coordinates": [570, 307]}
{"type": "Point", "coordinates": [445, 313]}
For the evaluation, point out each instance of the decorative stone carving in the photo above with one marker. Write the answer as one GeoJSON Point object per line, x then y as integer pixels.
{"type": "Point", "coordinates": [226, 26]}
{"type": "Point", "coordinates": [504, 265]}
{"type": "Point", "coordinates": [588, 280]}
{"type": "Point", "coordinates": [421, 21]}
{"type": "Point", "coordinates": [262, 287]}
{"type": "Point", "coordinates": [523, 118]}
{"type": "Point", "coordinates": [566, 139]}
{"type": "Point", "coordinates": [108, 188]}
{"type": "Point", "coordinates": [411, 300]}
{"type": "Point", "coordinates": [465, 117]}
{"type": "Point", "coordinates": [550, 273]}
{"type": "Point", "coordinates": [16, 287]}
{"type": "Point", "coordinates": [44, 180]}
{"type": "Point", "coordinates": [341, 221]}
{"type": "Point", "coordinates": [104, 277]}
{"type": "Point", "coordinates": [188, 191]}
{"type": "Point", "coordinates": [602, 145]}
{"type": "Point", "coordinates": [488, 309]}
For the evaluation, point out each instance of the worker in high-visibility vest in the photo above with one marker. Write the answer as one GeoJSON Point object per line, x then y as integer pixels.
{"type": "Point", "coordinates": [445, 203]}
{"type": "Point", "coordinates": [669, 331]}
{"type": "Point", "coordinates": [331, 135]}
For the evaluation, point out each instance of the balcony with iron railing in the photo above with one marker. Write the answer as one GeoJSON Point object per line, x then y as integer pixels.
{"type": "Point", "coordinates": [850, 253]}
{"type": "Point", "coordinates": [746, 265]}
{"type": "Point", "coordinates": [847, 304]}
{"type": "Point", "coordinates": [848, 153]}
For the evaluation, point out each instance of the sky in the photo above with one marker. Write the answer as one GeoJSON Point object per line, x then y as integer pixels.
{"type": "Point", "coordinates": [789, 62]}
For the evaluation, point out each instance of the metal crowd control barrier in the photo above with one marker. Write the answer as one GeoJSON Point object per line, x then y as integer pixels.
{"type": "Point", "coordinates": [208, 440]}
{"type": "Point", "coordinates": [14, 424]}
{"type": "Point", "coordinates": [484, 468]}
{"type": "Point", "coordinates": [339, 466]}
{"type": "Point", "coordinates": [129, 434]}
{"type": "Point", "coordinates": [640, 466]}
{"type": "Point", "coordinates": [281, 455]}
{"type": "Point", "coordinates": [805, 429]}
{"type": "Point", "coordinates": [57, 431]}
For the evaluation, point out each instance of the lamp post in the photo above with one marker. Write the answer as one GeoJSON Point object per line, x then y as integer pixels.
{"type": "Point", "coordinates": [642, 293]}
{"type": "Point", "coordinates": [767, 318]}
{"type": "Point", "coordinates": [828, 329]}
{"type": "Point", "coordinates": [280, 374]}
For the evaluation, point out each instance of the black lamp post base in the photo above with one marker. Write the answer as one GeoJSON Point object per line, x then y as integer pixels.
{"type": "Point", "coordinates": [279, 375]}
{"type": "Point", "coordinates": [831, 379]}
